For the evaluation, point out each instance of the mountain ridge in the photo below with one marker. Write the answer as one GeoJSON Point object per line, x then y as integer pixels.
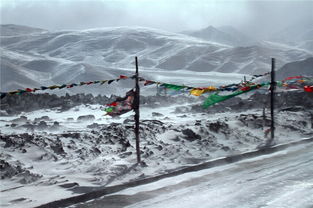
{"type": "Point", "coordinates": [81, 55]}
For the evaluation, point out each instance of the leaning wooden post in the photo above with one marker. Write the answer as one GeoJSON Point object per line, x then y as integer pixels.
{"type": "Point", "coordinates": [273, 83]}
{"type": "Point", "coordinates": [136, 109]}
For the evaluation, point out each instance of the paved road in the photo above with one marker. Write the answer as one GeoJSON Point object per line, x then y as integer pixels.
{"type": "Point", "coordinates": [282, 179]}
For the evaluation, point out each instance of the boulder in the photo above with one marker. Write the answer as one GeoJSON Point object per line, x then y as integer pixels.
{"type": "Point", "coordinates": [155, 114]}
{"type": "Point", "coordinates": [86, 118]}
{"type": "Point", "coordinates": [190, 135]}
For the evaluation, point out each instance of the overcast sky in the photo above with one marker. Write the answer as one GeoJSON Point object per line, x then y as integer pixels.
{"type": "Point", "coordinates": [174, 15]}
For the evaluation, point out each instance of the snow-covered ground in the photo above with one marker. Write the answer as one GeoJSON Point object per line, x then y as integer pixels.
{"type": "Point", "coordinates": [48, 154]}
{"type": "Point", "coordinates": [282, 179]}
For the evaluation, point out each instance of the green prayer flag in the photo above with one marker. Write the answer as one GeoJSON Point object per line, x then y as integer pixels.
{"type": "Point", "coordinates": [109, 110]}
{"type": "Point", "coordinates": [215, 98]}
{"type": "Point", "coordinates": [172, 87]}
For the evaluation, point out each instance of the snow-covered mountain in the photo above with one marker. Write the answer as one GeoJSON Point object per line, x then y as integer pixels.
{"type": "Point", "coordinates": [226, 34]}
{"type": "Point", "coordinates": [11, 29]}
{"type": "Point", "coordinates": [304, 68]}
{"type": "Point", "coordinates": [298, 35]}
{"type": "Point", "coordinates": [39, 57]}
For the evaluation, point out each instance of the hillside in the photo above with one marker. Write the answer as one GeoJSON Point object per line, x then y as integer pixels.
{"type": "Point", "coordinates": [47, 58]}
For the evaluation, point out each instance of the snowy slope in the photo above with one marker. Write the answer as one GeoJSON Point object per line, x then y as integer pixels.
{"type": "Point", "coordinates": [282, 179]}
{"type": "Point", "coordinates": [71, 56]}
{"type": "Point", "coordinates": [304, 68]}
{"type": "Point", "coordinates": [298, 35]}
{"type": "Point", "coordinates": [48, 152]}
{"type": "Point", "coordinates": [225, 34]}
{"type": "Point", "coordinates": [16, 30]}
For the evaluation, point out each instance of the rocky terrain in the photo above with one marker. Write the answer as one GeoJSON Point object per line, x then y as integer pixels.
{"type": "Point", "coordinates": [76, 147]}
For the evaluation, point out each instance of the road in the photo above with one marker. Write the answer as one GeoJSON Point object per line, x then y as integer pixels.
{"type": "Point", "coordinates": [282, 179]}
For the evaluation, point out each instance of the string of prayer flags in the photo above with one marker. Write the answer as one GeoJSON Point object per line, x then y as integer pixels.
{"type": "Point", "coordinates": [21, 91]}
{"type": "Point", "coordinates": [215, 98]}
{"type": "Point", "coordinates": [292, 78]}
{"type": "Point", "coordinates": [259, 75]}
{"type": "Point", "coordinates": [121, 105]}
{"type": "Point", "coordinates": [297, 82]}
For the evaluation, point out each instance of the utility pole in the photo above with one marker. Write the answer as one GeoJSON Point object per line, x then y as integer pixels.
{"type": "Point", "coordinates": [273, 84]}
{"type": "Point", "coordinates": [136, 109]}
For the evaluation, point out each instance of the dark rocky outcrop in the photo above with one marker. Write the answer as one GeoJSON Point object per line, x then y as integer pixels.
{"type": "Point", "coordinates": [86, 118]}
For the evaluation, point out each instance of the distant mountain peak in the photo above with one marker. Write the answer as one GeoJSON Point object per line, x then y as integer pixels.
{"type": "Point", "coordinates": [14, 30]}
{"type": "Point", "coordinates": [224, 35]}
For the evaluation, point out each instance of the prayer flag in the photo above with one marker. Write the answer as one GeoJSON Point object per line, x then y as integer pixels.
{"type": "Point", "coordinates": [123, 77]}
{"type": "Point", "coordinates": [121, 105]}
{"type": "Point", "coordinates": [172, 87]}
{"type": "Point", "coordinates": [308, 88]}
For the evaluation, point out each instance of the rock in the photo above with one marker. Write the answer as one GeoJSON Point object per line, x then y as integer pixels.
{"type": "Point", "coordinates": [155, 114]}
{"type": "Point", "coordinates": [8, 170]}
{"type": "Point", "coordinates": [191, 135]}
{"type": "Point", "coordinates": [42, 125]}
{"type": "Point", "coordinates": [198, 123]}
{"type": "Point", "coordinates": [70, 119]}
{"type": "Point", "coordinates": [43, 118]}
{"type": "Point", "coordinates": [18, 200]}
{"type": "Point", "coordinates": [86, 118]}
{"type": "Point", "coordinates": [69, 185]}
{"type": "Point", "coordinates": [20, 120]}
{"type": "Point", "coordinates": [28, 126]}
{"type": "Point", "coordinates": [128, 120]}
{"type": "Point", "coordinates": [215, 127]}
{"type": "Point", "coordinates": [13, 125]}
{"type": "Point", "coordinates": [94, 126]}
{"type": "Point", "coordinates": [75, 135]}
{"type": "Point", "coordinates": [55, 126]}
{"type": "Point", "coordinates": [58, 148]}
{"type": "Point", "coordinates": [159, 147]}
{"type": "Point", "coordinates": [28, 177]}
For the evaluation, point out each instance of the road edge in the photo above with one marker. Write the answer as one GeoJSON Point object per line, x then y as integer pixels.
{"type": "Point", "coordinates": [101, 191]}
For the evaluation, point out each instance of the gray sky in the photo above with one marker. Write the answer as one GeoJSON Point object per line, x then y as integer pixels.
{"type": "Point", "coordinates": [254, 17]}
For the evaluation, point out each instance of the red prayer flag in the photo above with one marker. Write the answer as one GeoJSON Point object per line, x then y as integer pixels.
{"type": "Point", "coordinates": [295, 77]}
{"type": "Point", "coordinates": [148, 82]}
{"type": "Point", "coordinates": [112, 104]}
{"type": "Point", "coordinates": [308, 88]}
{"type": "Point", "coordinates": [245, 88]}
{"type": "Point", "coordinates": [123, 77]}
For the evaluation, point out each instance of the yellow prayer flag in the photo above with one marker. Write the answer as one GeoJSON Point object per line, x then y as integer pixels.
{"type": "Point", "coordinates": [197, 92]}
{"type": "Point", "coordinates": [210, 88]}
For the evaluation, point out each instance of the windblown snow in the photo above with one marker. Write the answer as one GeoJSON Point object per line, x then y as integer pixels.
{"type": "Point", "coordinates": [54, 147]}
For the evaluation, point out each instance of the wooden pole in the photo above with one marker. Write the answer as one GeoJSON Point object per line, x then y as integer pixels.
{"type": "Point", "coordinates": [136, 109]}
{"type": "Point", "coordinates": [272, 100]}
